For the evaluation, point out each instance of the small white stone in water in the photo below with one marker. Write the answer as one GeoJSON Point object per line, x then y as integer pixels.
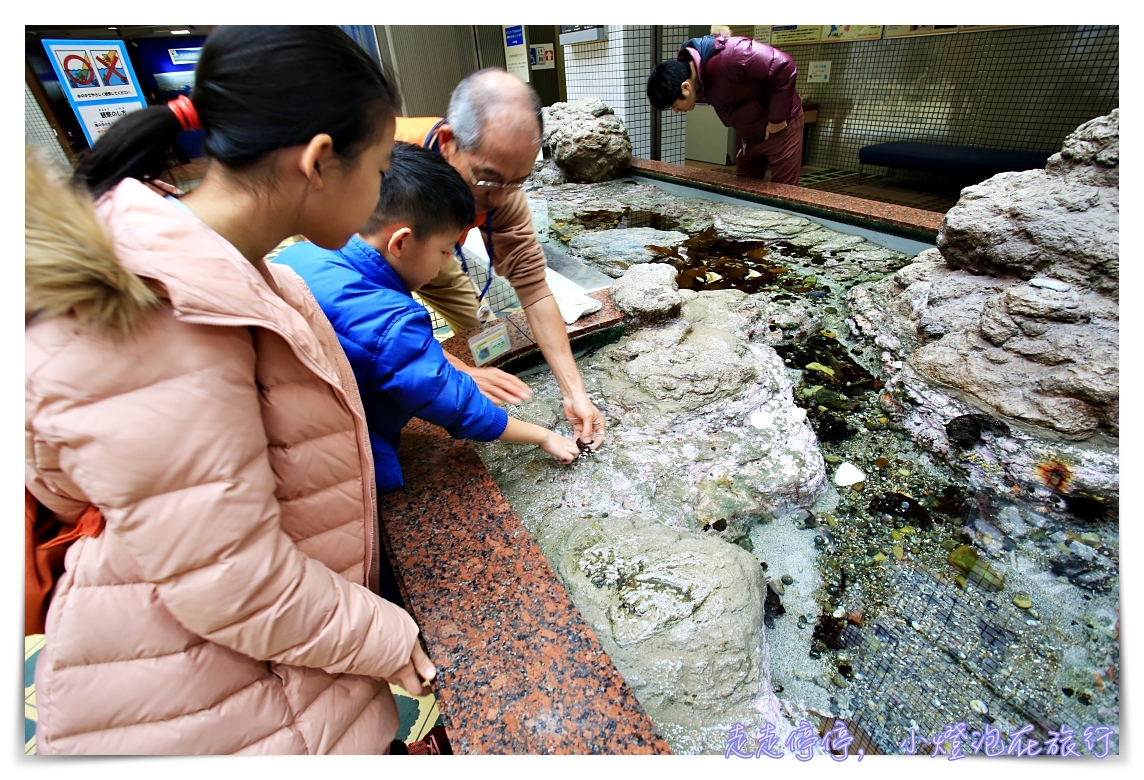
{"type": "Point", "coordinates": [848, 474]}
{"type": "Point", "coordinates": [762, 420]}
{"type": "Point", "coordinates": [979, 707]}
{"type": "Point", "coordinates": [1050, 284]}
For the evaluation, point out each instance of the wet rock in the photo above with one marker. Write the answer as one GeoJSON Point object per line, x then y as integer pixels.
{"type": "Point", "coordinates": [1023, 457]}
{"type": "Point", "coordinates": [586, 139]}
{"type": "Point", "coordinates": [680, 616]}
{"type": "Point", "coordinates": [647, 292]}
{"type": "Point", "coordinates": [966, 430]}
{"type": "Point", "coordinates": [614, 251]}
{"type": "Point", "coordinates": [547, 172]}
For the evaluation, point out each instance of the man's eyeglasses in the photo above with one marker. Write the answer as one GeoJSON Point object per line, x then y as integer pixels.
{"type": "Point", "coordinates": [490, 185]}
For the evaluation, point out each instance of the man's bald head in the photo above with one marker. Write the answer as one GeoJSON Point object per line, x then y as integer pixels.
{"type": "Point", "coordinates": [494, 98]}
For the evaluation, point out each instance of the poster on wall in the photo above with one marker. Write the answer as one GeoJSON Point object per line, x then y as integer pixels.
{"type": "Point", "coordinates": [171, 85]}
{"type": "Point", "coordinates": [796, 33]}
{"type": "Point", "coordinates": [980, 27]}
{"type": "Point", "coordinates": [98, 81]}
{"type": "Point", "coordinates": [900, 30]}
{"type": "Point", "coordinates": [515, 51]}
{"type": "Point", "coordinates": [542, 56]}
{"type": "Point", "coordinates": [185, 56]}
{"type": "Point", "coordinates": [851, 32]}
{"type": "Point", "coordinates": [762, 33]}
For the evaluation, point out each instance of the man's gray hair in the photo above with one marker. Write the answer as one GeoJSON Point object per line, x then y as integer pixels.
{"type": "Point", "coordinates": [474, 99]}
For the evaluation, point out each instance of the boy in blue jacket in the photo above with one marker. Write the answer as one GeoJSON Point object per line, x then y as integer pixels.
{"type": "Point", "coordinates": [365, 289]}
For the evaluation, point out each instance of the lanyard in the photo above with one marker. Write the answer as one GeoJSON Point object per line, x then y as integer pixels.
{"type": "Point", "coordinates": [486, 232]}
{"type": "Point", "coordinates": [433, 143]}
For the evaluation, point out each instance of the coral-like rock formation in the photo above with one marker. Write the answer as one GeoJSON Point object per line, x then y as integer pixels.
{"type": "Point", "coordinates": [587, 139]}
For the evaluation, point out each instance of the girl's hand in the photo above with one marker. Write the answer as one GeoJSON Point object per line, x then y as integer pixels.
{"type": "Point", "coordinates": [417, 675]}
{"type": "Point", "coordinates": [560, 448]}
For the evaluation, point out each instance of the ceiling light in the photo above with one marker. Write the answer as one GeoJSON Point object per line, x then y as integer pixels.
{"type": "Point", "coordinates": [180, 32]}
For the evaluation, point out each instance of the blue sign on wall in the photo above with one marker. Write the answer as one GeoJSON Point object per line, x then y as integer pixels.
{"type": "Point", "coordinates": [514, 36]}
{"type": "Point", "coordinates": [98, 81]}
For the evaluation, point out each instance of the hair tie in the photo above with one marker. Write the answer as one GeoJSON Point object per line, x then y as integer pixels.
{"type": "Point", "coordinates": [185, 111]}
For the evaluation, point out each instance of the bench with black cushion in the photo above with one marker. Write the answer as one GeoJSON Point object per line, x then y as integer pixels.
{"type": "Point", "coordinates": [939, 158]}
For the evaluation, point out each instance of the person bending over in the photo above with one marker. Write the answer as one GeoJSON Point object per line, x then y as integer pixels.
{"type": "Point", "coordinates": [751, 87]}
{"type": "Point", "coordinates": [365, 291]}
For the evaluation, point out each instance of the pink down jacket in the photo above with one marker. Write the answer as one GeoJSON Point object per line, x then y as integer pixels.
{"type": "Point", "coordinates": [227, 607]}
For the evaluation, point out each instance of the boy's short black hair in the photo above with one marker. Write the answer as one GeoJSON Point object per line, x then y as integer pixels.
{"type": "Point", "coordinates": [422, 190]}
{"type": "Point", "coordinates": [664, 85]}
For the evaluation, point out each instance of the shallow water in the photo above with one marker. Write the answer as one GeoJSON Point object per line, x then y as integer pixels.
{"type": "Point", "coordinates": [916, 599]}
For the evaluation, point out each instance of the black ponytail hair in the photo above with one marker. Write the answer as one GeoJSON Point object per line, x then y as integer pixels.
{"type": "Point", "coordinates": [257, 89]}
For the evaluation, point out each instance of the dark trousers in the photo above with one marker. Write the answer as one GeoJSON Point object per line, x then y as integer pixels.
{"type": "Point", "coordinates": [782, 151]}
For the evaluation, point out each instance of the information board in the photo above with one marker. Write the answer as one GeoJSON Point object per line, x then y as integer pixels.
{"type": "Point", "coordinates": [515, 51]}
{"type": "Point", "coordinates": [795, 33]}
{"type": "Point", "coordinates": [851, 32]}
{"type": "Point", "coordinates": [901, 30]}
{"type": "Point", "coordinates": [98, 81]}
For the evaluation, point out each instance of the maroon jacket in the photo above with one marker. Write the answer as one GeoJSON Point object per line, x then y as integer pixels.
{"type": "Point", "coordinates": [747, 83]}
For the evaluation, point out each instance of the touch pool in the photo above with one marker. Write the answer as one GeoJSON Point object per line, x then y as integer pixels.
{"type": "Point", "coordinates": [812, 503]}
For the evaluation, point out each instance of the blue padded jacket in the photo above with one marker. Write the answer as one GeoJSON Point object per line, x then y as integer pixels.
{"type": "Point", "coordinates": [400, 368]}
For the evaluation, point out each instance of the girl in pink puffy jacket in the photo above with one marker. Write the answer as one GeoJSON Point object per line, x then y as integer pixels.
{"type": "Point", "coordinates": [198, 398]}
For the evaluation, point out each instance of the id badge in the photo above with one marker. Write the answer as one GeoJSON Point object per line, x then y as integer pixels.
{"type": "Point", "coordinates": [489, 344]}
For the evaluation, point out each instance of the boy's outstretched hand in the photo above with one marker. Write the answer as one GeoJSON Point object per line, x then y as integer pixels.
{"type": "Point", "coordinates": [560, 448]}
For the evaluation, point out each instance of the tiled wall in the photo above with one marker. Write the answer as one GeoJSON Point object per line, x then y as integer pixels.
{"type": "Point", "coordinates": [615, 70]}
{"type": "Point", "coordinates": [1021, 88]}
{"type": "Point", "coordinates": [37, 131]}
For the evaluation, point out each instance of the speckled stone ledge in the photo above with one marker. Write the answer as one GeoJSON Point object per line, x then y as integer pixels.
{"type": "Point", "coordinates": [519, 670]}
{"type": "Point", "coordinates": [897, 220]}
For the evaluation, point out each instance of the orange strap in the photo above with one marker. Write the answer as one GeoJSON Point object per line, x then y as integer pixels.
{"type": "Point", "coordinates": [90, 523]}
{"type": "Point", "coordinates": [46, 541]}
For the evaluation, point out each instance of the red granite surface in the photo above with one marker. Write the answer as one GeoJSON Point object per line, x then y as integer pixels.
{"type": "Point", "coordinates": [520, 334]}
{"type": "Point", "coordinates": [519, 671]}
{"type": "Point", "coordinates": [875, 211]}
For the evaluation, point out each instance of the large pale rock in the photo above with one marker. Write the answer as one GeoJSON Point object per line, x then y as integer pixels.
{"type": "Point", "coordinates": [1019, 310]}
{"type": "Point", "coordinates": [614, 251]}
{"type": "Point", "coordinates": [587, 139]}
{"type": "Point", "coordinates": [1062, 222]}
{"type": "Point", "coordinates": [681, 617]}
{"type": "Point", "coordinates": [647, 292]}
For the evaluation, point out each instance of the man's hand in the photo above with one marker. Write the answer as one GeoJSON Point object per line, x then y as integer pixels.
{"type": "Point", "coordinates": [587, 422]}
{"type": "Point", "coordinates": [773, 128]}
{"type": "Point", "coordinates": [498, 386]}
{"type": "Point", "coordinates": [417, 669]}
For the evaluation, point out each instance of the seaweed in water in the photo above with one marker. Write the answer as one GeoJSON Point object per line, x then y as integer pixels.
{"type": "Point", "coordinates": [901, 505]}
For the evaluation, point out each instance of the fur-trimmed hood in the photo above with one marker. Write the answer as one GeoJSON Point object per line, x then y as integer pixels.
{"type": "Point", "coordinates": [69, 262]}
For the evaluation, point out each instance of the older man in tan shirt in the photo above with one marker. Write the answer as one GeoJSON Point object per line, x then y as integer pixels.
{"type": "Point", "coordinates": [492, 137]}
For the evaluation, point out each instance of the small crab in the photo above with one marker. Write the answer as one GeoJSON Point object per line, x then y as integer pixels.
{"type": "Point", "coordinates": [585, 448]}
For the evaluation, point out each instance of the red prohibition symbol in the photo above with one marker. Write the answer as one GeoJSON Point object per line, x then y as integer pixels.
{"type": "Point", "coordinates": [86, 66]}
